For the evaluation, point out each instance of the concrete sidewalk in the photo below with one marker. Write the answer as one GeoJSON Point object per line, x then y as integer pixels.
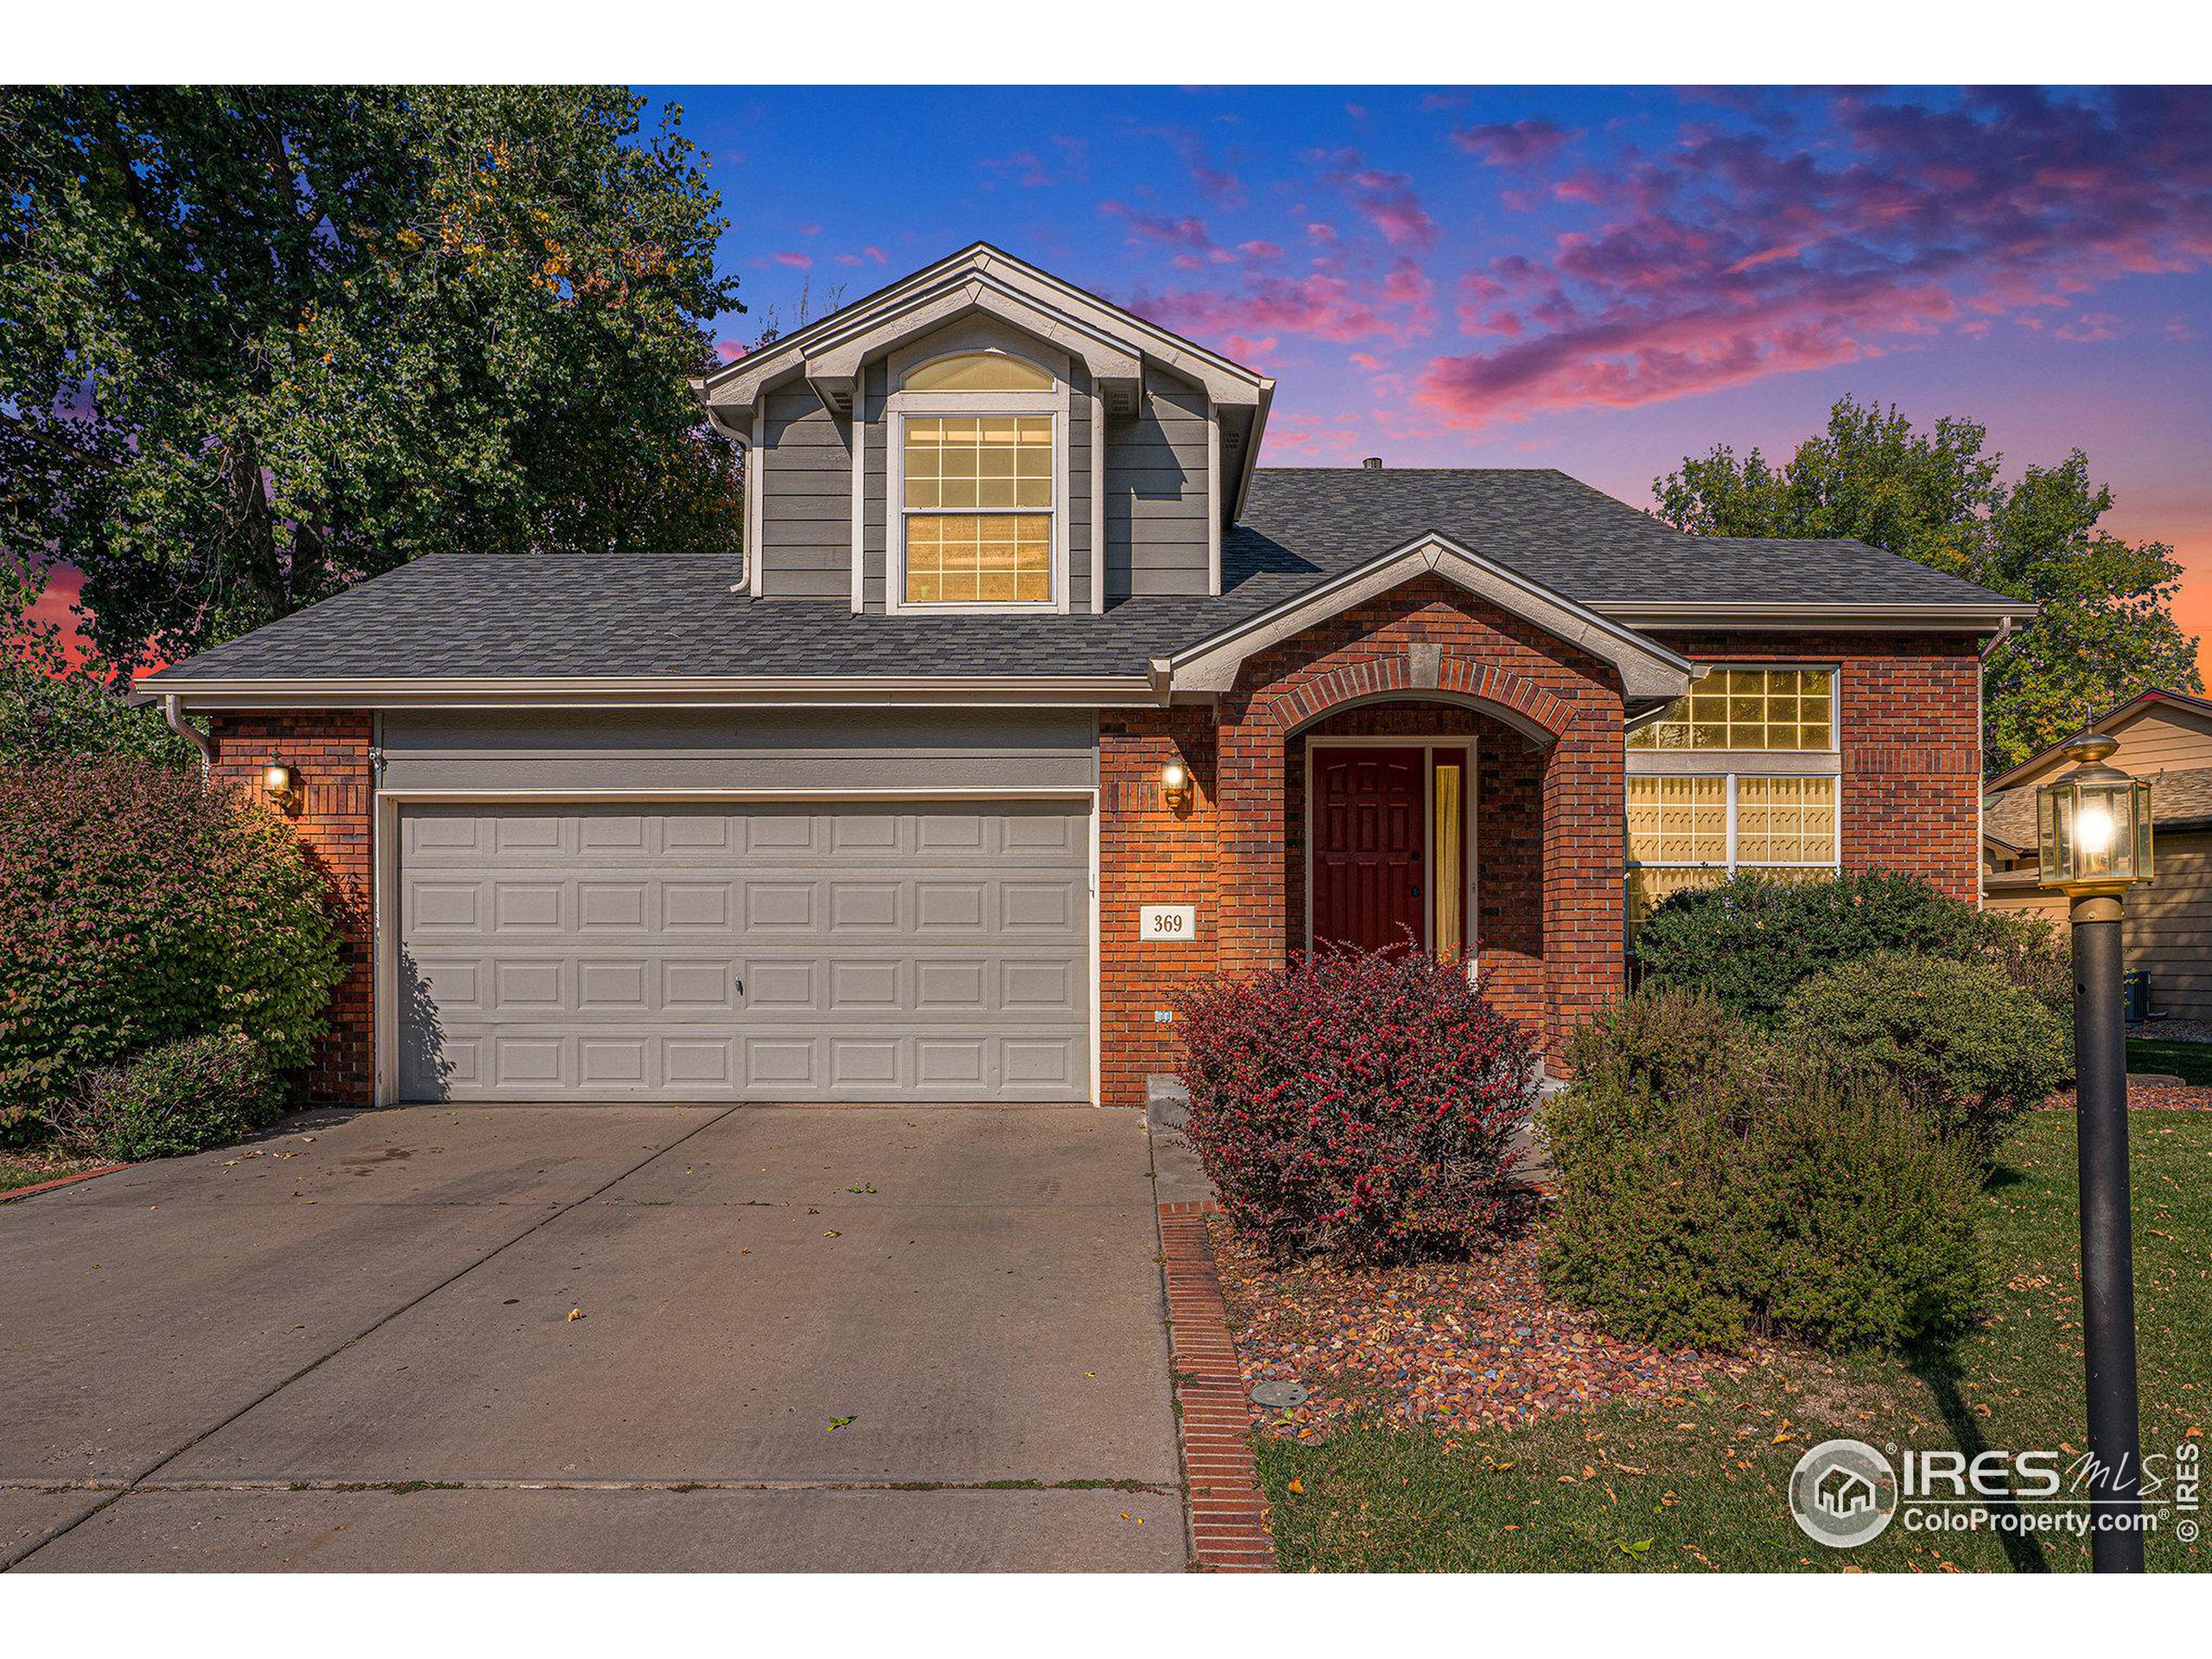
{"type": "Point", "coordinates": [834, 1338]}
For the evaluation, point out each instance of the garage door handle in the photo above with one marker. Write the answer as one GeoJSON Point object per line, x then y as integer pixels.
{"type": "Point", "coordinates": [740, 983]}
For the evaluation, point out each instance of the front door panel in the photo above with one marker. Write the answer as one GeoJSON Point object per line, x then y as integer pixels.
{"type": "Point", "coordinates": [1370, 846]}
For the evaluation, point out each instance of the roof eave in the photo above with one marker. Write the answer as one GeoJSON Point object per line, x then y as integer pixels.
{"type": "Point", "coordinates": [667, 691]}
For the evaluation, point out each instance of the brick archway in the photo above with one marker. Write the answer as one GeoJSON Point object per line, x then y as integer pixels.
{"type": "Point", "coordinates": [1435, 676]}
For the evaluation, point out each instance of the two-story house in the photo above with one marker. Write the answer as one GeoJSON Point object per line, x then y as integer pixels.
{"type": "Point", "coordinates": [1031, 694]}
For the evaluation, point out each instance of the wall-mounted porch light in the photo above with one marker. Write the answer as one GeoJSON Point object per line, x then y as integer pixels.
{"type": "Point", "coordinates": [282, 785]}
{"type": "Point", "coordinates": [1175, 785]}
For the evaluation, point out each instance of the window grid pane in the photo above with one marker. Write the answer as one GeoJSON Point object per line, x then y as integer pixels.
{"type": "Point", "coordinates": [1678, 820]}
{"type": "Point", "coordinates": [1785, 821]}
{"type": "Point", "coordinates": [1001, 462]}
{"type": "Point", "coordinates": [1754, 709]}
{"type": "Point", "coordinates": [979, 559]}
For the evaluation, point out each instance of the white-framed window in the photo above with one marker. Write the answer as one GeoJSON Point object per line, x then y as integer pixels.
{"type": "Point", "coordinates": [1745, 774]}
{"type": "Point", "coordinates": [978, 486]}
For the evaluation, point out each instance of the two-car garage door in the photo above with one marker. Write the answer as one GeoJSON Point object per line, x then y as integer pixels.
{"type": "Point", "coordinates": [809, 951]}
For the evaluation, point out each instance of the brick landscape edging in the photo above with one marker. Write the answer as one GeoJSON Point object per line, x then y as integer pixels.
{"type": "Point", "coordinates": [1228, 1516]}
{"type": "Point", "coordinates": [15, 1192]}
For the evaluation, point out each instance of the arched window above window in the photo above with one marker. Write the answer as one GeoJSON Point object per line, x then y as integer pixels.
{"type": "Point", "coordinates": [979, 371]}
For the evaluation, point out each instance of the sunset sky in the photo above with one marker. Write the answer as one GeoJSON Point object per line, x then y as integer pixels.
{"type": "Point", "coordinates": [1596, 280]}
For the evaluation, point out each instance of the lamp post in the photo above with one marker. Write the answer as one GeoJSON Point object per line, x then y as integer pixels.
{"type": "Point", "coordinates": [2092, 826]}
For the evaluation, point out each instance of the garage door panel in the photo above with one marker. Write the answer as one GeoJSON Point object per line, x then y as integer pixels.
{"type": "Point", "coordinates": [598, 951]}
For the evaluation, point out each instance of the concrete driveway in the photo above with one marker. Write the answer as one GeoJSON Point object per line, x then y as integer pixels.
{"type": "Point", "coordinates": [351, 1346]}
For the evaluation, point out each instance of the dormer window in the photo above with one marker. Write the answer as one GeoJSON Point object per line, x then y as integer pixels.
{"type": "Point", "coordinates": [980, 443]}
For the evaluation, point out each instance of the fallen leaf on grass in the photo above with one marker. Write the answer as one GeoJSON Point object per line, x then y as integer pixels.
{"type": "Point", "coordinates": [1298, 1486]}
{"type": "Point", "coordinates": [1637, 1548]}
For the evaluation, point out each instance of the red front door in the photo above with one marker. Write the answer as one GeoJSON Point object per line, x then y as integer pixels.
{"type": "Point", "coordinates": [1371, 847]}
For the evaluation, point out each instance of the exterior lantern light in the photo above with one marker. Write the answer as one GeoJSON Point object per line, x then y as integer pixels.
{"type": "Point", "coordinates": [1175, 785]}
{"type": "Point", "coordinates": [2092, 824]}
{"type": "Point", "coordinates": [282, 785]}
{"type": "Point", "coordinates": [2093, 829]}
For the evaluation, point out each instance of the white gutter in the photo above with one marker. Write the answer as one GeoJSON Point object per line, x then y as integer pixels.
{"type": "Point", "coordinates": [173, 712]}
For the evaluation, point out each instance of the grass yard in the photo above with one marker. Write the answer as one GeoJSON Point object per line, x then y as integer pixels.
{"type": "Point", "coordinates": [1697, 1483]}
{"type": "Point", "coordinates": [2191, 1062]}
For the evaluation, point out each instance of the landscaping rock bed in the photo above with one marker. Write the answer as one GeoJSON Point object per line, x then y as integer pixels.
{"type": "Point", "coordinates": [2147, 1096]}
{"type": "Point", "coordinates": [1444, 1346]}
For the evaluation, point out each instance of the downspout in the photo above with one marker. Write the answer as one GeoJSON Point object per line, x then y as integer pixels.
{"type": "Point", "coordinates": [173, 712]}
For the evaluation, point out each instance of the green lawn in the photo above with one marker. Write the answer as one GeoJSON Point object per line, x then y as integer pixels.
{"type": "Point", "coordinates": [1700, 1485]}
{"type": "Point", "coordinates": [2191, 1062]}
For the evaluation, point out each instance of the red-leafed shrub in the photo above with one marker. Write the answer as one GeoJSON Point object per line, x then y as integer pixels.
{"type": "Point", "coordinates": [1356, 1105]}
{"type": "Point", "coordinates": [138, 907]}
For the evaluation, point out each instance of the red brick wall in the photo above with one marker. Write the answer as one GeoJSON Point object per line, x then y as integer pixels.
{"type": "Point", "coordinates": [1150, 853]}
{"type": "Point", "coordinates": [1910, 721]}
{"type": "Point", "coordinates": [1548, 819]}
{"type": "Point", "coordinates": [330, 753]}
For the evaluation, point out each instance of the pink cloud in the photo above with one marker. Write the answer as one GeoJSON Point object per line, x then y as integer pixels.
{"type": "Point", "coordinates": [1737, 253]}
{"type": "Point", "coordinates": [1260, 250]}
{"type": "Point", "coordinates": [1187, 232]}
{"type": "Point", "coordinates": [728, 350]}
{"type": "Point", "coordinates": [1385, 201]}
{"type": "Point", "coordinates": [1512, 144]}
{"type": "Point", "coordinates": [796, 261]}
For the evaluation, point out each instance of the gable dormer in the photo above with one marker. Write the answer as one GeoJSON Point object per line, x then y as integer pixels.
{"type": "Point", "coordinates": [983, 436]}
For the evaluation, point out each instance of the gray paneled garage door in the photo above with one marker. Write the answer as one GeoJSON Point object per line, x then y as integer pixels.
{"type": "Point", "coordinates": [761, 952]}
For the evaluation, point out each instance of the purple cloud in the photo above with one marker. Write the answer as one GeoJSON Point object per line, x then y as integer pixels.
{"type": "Point", "coordinates": [1512, 144]}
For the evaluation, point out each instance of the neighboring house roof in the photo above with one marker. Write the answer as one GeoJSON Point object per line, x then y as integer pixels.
{"type": "Point", "coordinates": [2179, 800]}
{"type": "Point", "coordinates": [2119, 714]}
{"type": "Point", "coordinates": [661, 617]}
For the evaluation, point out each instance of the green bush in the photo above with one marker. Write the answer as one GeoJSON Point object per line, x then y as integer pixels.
{"type": "Point", "coordinates": [22, 1128]}
{"type": "Point", "coordinates": [1959, 1042]}
{"type": "Point", "coordinates": [1749, 941]}
{"type": "Point", "coordinates": [138, 907]}
{"type": "Point", "coordinates": [184, 1097]}
{"type": "Point", "coordinates": [1752, 1195]}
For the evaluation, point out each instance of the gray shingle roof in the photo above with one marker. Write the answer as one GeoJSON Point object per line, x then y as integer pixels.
{"type": "Point", "coordinates": [2176, 797]}
{"type": "Point", "coordinates": [638, 614]}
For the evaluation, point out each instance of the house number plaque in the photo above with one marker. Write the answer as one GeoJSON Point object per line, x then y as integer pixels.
{"type": "Point", "coordinates": [1168, 923]}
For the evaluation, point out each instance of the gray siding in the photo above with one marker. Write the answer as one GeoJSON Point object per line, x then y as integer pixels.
{"type": "Point", "coordinates": [741, 749]}
{"type": "Point", "coordinates": [1078, 502]}
{"type": "Point", "coordinates": [875, 467]}
{"type": "Point", "coordinates": [806, 509]}
{"type": "Point", "coordinates": [1156, 492]}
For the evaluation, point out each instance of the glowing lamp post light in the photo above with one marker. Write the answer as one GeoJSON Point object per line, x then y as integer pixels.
{"type": "Point", "coordinates": [2092, 827]}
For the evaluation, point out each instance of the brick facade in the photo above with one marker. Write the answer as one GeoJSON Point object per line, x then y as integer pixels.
{"type": "Point", "coordinates": [1910, 718]}
{"type": "Point", "coordinates": [330, 753]}
{"type": "Point", "coordinates": [1548, 815]}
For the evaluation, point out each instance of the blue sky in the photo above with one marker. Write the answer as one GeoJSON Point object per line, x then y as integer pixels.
{"type": "Point", "coordinates": [1596, 280]}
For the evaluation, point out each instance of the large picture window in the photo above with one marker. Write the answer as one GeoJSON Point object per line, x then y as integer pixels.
{"type": "Point", "coordinates": [1691, 831]}
{"type": "Point", "coordinates": [979, 509]}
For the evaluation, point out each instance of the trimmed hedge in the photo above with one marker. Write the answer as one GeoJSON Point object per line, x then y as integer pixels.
{"type": "Point", "coordinates": [183, 1097]}
{"type": "Point", "coordinates": [1749, 941]}
{"type": "Point", "coordinates": [1356, 1105]}
{"type": "Point", "coordinates": [1750, 1195]}
{"type": "Point", "coordinates": [1957, 1040]}
{"type": "Point", "coordinates": [138, 907]}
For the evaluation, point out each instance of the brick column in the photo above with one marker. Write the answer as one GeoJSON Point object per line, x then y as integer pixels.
{"type": "Point", "coordinates": [330, 752]}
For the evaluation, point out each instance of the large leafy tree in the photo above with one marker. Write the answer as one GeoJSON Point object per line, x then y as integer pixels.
{"type": "Point", "coordinates": [2107, 629]}
{"type": "Point", "coordinates": [259, 343]}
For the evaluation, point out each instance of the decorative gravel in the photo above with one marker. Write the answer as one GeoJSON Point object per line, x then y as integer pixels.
{"type": "Point", "coordinates": [1444, 1345]}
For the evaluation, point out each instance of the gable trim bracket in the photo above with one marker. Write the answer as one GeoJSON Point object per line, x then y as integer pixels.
{"type": "Point", "coordinates": [1651, 674]}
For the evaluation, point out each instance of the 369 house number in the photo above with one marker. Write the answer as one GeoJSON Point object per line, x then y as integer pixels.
{"type": "Point", "coordinates": [1167, 924]}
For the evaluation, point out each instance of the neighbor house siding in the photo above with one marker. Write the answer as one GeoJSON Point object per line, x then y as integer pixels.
{"type": "Point", "coordinates": [1908, 721]}
{"type": "Point", "coordinates": [331, 755]}
{"type": "Point", "coordinates": [1156, 492]}
{"type": "Point", "coordinates": [2167, 927]}
{"type": "Point", "coordinates": [806, 508]}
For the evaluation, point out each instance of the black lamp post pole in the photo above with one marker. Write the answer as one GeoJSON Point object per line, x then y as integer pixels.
{"type": "Point", "coordinates": [2107, 1249]}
